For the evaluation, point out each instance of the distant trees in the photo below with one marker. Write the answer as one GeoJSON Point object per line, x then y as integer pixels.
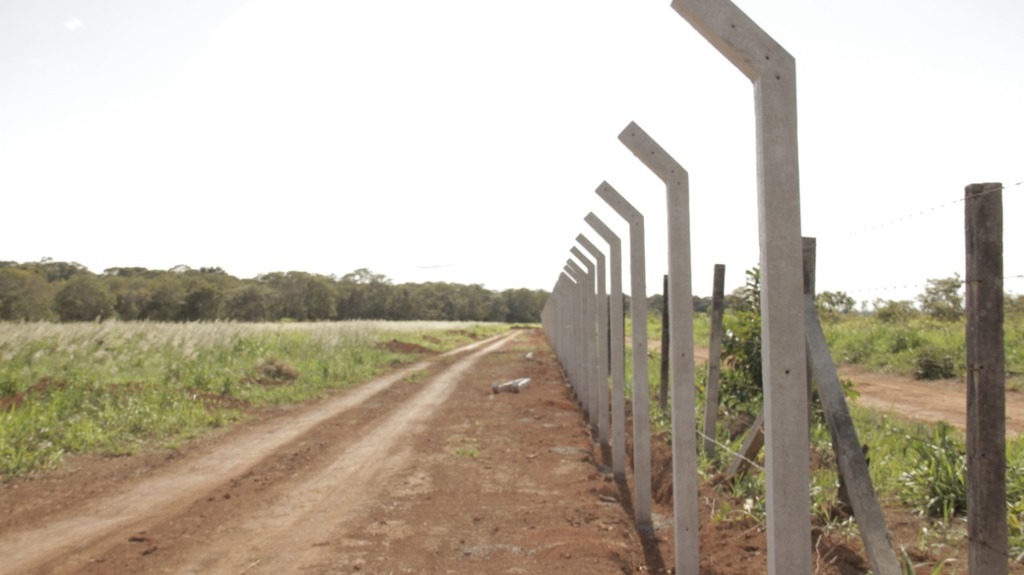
{"type": "Point", "coordinates": [942, 300]}
{"type": "Point", "coordinates": [66, 291]}
{"type": "Point", "coordinates": [49, 290]}
{"type": "Point", "coordinates": [84, 298]}
{"type": "Point", "coordinates": [25, 295]}
{"type": "Point", "coordinates": [834, 304]}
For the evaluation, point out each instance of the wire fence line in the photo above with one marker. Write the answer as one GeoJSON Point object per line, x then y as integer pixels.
{"type": "Point", "coordinates": [730, 451]}
{"type": "Point", "coordinates": [903, 286]}
{"type": "Point", "coordinates": [918, 286]}
{"type": "Point", "coordinates": [929, 210]}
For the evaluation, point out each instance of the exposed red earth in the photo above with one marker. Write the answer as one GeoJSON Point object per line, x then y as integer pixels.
{"type": "Point", "coordinates": [422, 471]}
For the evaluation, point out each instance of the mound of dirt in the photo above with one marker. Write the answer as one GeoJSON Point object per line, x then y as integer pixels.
{"type": "Point", "coordinates": [395, 346]}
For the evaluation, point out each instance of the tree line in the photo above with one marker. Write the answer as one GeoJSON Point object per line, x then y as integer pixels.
{"type": "Point", "coordinates": [50, 290]}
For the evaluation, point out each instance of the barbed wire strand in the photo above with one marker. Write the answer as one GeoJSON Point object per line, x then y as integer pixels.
{"type": "Point", "coordinates": [926, 211]}
{"type": "Point", "coordinates": [731, 452]}
{"type": "Point", "coordinates": [914, 286]}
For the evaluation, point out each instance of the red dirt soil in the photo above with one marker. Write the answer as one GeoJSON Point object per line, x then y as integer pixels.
{"type": "Point", "coordinates": [425, 474]}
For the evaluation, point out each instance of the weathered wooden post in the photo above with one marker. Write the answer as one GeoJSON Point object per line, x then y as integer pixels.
{"type": "Point", "coordinates": [680, 351]}
{"type": "Point", "coordinates": [641, 391]}
{"type": "Point", "coordinates": [618, 360]}
{"type": "Point", "coordinates": [850, 458]}
{"type": "Point", "coordinates": [772, 71]}
{"type": "Point", "coordinates": [590, 335]}
{"type": "Point", "coordinates": [714, 360]}
{"type": "Point", "coordinates": [986, 381]}
{"type": "Point", "coordinates": [663, 379]}
{"type": "Point", "coordinates": [810, 251]}
{"type": "Point", "coordinates": [602, 339]}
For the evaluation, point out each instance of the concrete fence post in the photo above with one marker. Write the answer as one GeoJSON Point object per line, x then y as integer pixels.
{"type": "Point", "coordinates": [772, 72]}
{"type": "Point", "coordinates": [680, 352]}
{"type": "Point", "coordinates": [590, 336]}
{"type": "Point", "coordinates": [602, 339]}
{"type": "Point", "coordinates": [579, 361]}
{"type": "Point", "coordinates": [617, 343]}
{"type": "Point", "coordinates": [641, 390]}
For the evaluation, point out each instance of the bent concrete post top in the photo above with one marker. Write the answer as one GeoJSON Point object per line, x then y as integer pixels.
{"type": "Point", "coordinates": [772, 71]}
{"type": "Point", "coordinates": [571, 274]}
{"type": "Point", "coordinates": [603, 230]}
{"type": "Point", "coordinates": [587, 263]}
{"type": "Point", "coordinates": [736, 37]}
{"type": "Point", "coordinates": [653, 156]}
{"type": "Point", "coordinates": [575, 269]}
{"type": "Point", "coordinates": [620, 204]}
{"type": "Point", "coordinates": [590, 247]}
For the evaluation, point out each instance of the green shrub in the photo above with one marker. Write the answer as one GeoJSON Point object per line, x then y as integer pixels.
{"type": "Point", "coordinates": [931, 362]}
{"type": "Point", "coordinates": [936, 482]}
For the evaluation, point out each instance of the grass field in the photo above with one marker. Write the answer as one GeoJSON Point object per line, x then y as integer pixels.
{"type": "Point", "coordinates": [113, 387]}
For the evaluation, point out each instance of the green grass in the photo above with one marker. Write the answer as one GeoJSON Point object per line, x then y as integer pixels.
{"type": "Point", "coordinates": [913, 465]}
{"type": "Point", "coordinates": [920, 347]}
{"type": "Point", "coordinates": [113, 387]}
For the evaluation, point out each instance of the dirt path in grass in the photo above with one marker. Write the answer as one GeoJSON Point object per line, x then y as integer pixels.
{"type": "Point", "coordinates": [928, 401]}
{"type": "Point", "coordinates": [942, 400]}
{"type": "Point", "coordinates": [422, 471]}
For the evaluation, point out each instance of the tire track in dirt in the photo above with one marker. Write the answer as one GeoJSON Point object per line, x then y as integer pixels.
{"type": "Point", "coordinates": [41, 548]}
{"type": "Point", "coordinates": [283, 538]}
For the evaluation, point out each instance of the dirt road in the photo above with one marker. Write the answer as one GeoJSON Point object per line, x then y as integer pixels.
{"type": "Point", "coordinates": [422, 471]}
{"type": "Point", "coordinates": [926, 401]}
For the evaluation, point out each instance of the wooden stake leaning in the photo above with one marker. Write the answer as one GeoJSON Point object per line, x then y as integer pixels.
{"type": "Point", "coordinates": [853, 466]}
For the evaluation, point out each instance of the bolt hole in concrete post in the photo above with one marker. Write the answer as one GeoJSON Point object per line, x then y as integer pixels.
{"type": "Point", "coordinates": [617, 361]}
{"type": "Point", "coordinates": [641, 392]}
{"type": "Point", "coordinates": [679, 295]}
{"type": "Point", "coordinates": [601, 375]}
{"type": "Point", "coordinates": [778, 192]}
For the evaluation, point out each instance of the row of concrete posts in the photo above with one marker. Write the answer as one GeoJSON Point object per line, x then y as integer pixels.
{"type": "Point", "coordinates": [573, 328]}
{"type": "Point", "coordinates": [583, 321]}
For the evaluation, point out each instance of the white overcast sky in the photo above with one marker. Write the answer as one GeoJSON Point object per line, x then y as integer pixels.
{"type": "Point", "coordinates": [462, 140]}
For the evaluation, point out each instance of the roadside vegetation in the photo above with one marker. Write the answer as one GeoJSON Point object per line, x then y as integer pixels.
{"type": "Point", "coordinates": [916, 467]}
{"type": "Point", "coordinates": [113, 387]}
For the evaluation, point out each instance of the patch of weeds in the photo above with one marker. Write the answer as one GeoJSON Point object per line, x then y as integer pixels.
{"type": "Point", "coordinates": [464, 447]}
{"type": "Point", "coordinates": [273, 372]}
{"type": "Point", "coordinates": [937, 482]}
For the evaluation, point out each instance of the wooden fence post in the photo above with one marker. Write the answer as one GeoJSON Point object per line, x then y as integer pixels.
{"type": "Point", "coordinates": [850, 458]}
{"type": "Point", "coordinates": [663, 389]}
{"type": "Point", "coordinates": [986, 381]}
{"type": "Point", "coordinates": [714, 360]}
